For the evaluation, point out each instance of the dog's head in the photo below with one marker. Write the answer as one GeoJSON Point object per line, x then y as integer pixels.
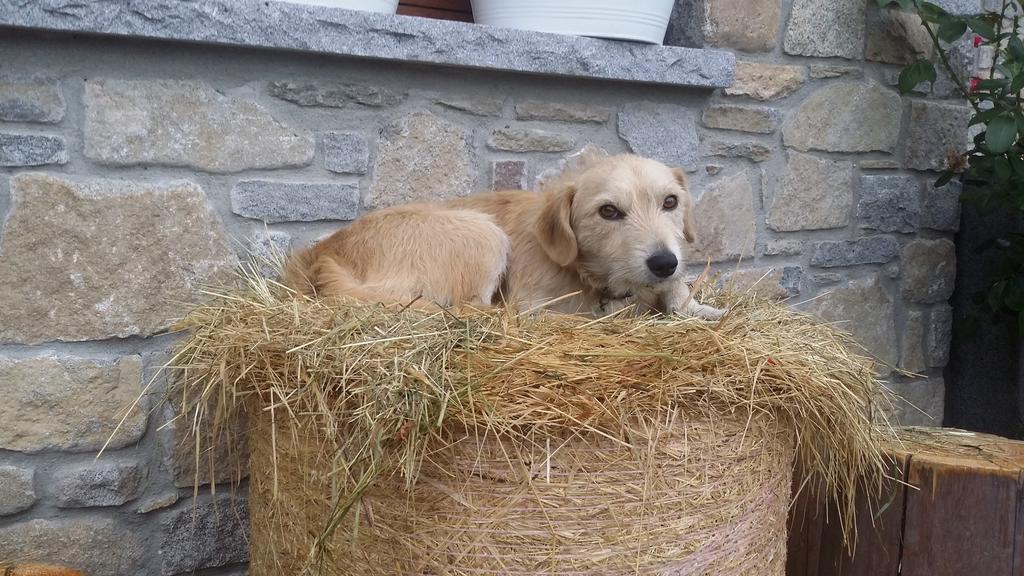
{"type": "Point", "coordinates": [623, 220]}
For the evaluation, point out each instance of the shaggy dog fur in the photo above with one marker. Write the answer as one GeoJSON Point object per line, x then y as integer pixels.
{"type": "Point", "coordinates": [606, 233]}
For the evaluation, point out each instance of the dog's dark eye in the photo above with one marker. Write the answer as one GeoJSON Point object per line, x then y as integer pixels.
{"type": "Point", "coordinates": [670, 202]}
{"type": "Point", "coordinates": [609, 212]}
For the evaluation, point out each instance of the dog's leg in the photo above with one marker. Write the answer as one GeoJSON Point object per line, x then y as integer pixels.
{"type": "Point", "coordinates": [678, 300]}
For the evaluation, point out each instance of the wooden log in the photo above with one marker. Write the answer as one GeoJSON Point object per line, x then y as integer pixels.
{"type": "Point", "coordinates": [959, 512]}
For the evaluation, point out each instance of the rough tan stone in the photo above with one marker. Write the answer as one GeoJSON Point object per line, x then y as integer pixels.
{"type": "Point", "coordinates": [69, 404]}
{"type": "Point", "coordinates": [770, 282]}
{"type": "Point", "coordinates": [753, 151]}
{"type": "Point", "coordinates": [17, 492]}
{"type": "Point", "coordinates": [725, 220]}
{"type": "Point", "coordinates": [477, 106]}
{"type": "Point", "coordinates": [562, 112]}
{"type": "Point", "coordinates": [741, 118]}
{"type": "Point", "coordinates": [813, 194]}
{"type": "Point", "coordinates": [766, 82]}
{"type": "Point", "coordinates": [929, 270]}
{"type": "Point", "coordinates": [833, 71]}
{"type": "Point", "coordinates": [896, 37]}
{"type": "Point", "coordinates": [189, 124]}
{"type": "Point", "coordinates": [31, 100]}
{"type": "Point", "coordinates": [865, 310]}
{"type": "Point", "coordinates": [223, 459]}
{"type": "Point", "coordinates": [846, 117]}
{"type": "Point", "coordinates": [96, 545]}
{"type": "Point", "coordinates": [935, 130]}
{"type": "Point", "coordinates": [421, 157]}
{"type": "Point", "coordinates": [93, 259]}
{"type": "Point", "coordinates": [748, 25]}
{"type": "Point", "coordinates": [529, 140]}
{"type": "Point", "coordinates": [912, 343]}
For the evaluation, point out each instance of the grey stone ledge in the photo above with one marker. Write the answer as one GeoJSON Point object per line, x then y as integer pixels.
{"type": "Point", "coordinates": [285, 26]}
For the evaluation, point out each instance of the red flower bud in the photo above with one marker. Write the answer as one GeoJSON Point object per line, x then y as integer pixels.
{"type": "Point", "coordinates": [973, 85]}
{"type": "Point", "coordinates": [978, 40]}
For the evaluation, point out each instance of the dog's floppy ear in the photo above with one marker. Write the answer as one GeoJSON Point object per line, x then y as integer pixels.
{"type": "Point", "coordinates": [554, 226]}
{"type": "Point", "coordinates": [686, 204]}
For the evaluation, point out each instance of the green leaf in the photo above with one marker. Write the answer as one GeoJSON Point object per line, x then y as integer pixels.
{"type": "Point", "coordinates": [1015, 47]}
{"type": "Point", "coordinates": [944, 179]}
{"type": "Point", "coordinates": [995, 295]}
{"type": "Point", "coordinates": [1003, 169]}
{"type": "Point", "coordinates": [931, 13]}
{"type": "Point", "coordinates": [1013, 297]}
{"type": "Point", "coordinates": [951, 30]}
{"type": "Point", "coordinates": [911, 76]}
{"type": "Point", "coordinates": [1020, 324]}
{"type": "Point", "coordinates": [1017, 84]}
{"type": "Point", "coordinates": [1001, 133]}
{"type": "Point", "coordinates": [992, 84]}
{"type": "Point", "coordinates": [981, 28]}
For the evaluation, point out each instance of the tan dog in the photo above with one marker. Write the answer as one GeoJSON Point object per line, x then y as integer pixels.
{"type": "Point", "coordinates": [606, 233]}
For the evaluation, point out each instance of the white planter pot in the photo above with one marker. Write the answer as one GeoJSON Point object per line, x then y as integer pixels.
{"type": "Point", "coordinates": [638, 20]}
{"type": "Point", "coordinates": [383, 6]}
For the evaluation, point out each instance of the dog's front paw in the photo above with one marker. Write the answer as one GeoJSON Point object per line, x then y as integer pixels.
{"type": "Point", "coordinates": [694, 310]}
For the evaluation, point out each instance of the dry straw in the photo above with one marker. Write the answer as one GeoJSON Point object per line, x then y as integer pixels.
{"type": "Point", "coordinates": [390, 440]}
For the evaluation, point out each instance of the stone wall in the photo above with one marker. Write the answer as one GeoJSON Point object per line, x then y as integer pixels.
{"type": "Point", "coordinates": [132, 172]}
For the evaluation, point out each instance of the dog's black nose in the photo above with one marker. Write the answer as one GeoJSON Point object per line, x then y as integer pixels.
{"type": "Point", "coordinates": [663, 264]}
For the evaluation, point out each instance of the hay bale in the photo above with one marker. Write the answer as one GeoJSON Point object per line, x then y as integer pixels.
{"type": "Point", "coordinates": [400, 441]}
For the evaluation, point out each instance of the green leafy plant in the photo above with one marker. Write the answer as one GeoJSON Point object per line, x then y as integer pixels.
{"type": "Point", "coordinates": [992, 169]}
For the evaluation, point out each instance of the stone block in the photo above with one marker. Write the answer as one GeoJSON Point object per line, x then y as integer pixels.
{"type": "Point", "coordinates": [187, 124]}
{"type": "Point", "coordinates": [741, 118]}
{"type": "Point", "coordinates": [865, 310]}
{"type": "Point", "coordinates": [31, 100]}
{"type": "Point", "coordinates": [479, 106]}
{"type": "Point", "coordinates": [784, 248]}
{"type": "Point", "coordinates": [929, 271]}
{"type": "Point", "coordinates": [940, 209]}
{"type": "Point", "coordinates": [935, 130]}
{"type": "Point", "coordinates": [96, 545]}
{"type": "Point", "coordinates": [912, 343]}
{"type": "Point", "coordinates": [18, 150]}
{"type": "Point", "coordinates": [89, 259]}
{"type": "Point", "coordinates": [155, 503]}
{"type": "Point", "coordinates": [846, 117]}
{"type": "Point", "coordinates": [334, 94]}
{"type": "Point", "coordinates": [643, 125]}
{"type": "Point", "coordinates": [208, 535]}
{"type": "Point", "coordinates": [96, 484]}
{"type": "Point", "coordinates": [826, 28]}
{"type": "Point", "coordinates": [813, 194]}
{"type": "Point", "coordinates": [868, 250]}
{"type": "Point", "coordinates": [766, 82]}
{"type": "Point", "coordinates": [827, 278]}
{"type": "Point", "coordinates": [272, 201]}
{"type": "Point", "coordinates": [772, 283]}
{"type": "Point", "coordinates": [821, 71]}
{"type": "Point", "coordinates": [508, 175]}
{"type": "Point", "coordinates": [889, 203]}
{"type": "Point", "coordinates": [529, 140]}
{"type": "Point", "coordinates": [747, 25]}
{"type": "Point", "coordinates": [896, 37]}
{"type": "Point", "coordinates": [69, 404]}
{"type": "Point", "coordinates": [725, 220]}
{"type": "Point", "coordinates": [421, 157]}
{"type": "Point", "coordinates": [268, 250]}
{"type": "Point", "coordinates": [562, 112]}
{"type": "Point", "coordinates": [346, 153]}
{"type": "Point", "coordinates": [919, 402]}
{"type": "Point", "coordinates": [17, 490]}
{"type": "Point", "coordinates": [939, 335]}
{"type": "Point", "coordinates": [879, 164]}
{"type": "Point", "coordinates": [753, 151]}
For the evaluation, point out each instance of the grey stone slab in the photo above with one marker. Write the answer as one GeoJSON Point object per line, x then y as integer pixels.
{"type": "Point", "coordinates": [346, 153]}
{"type": "Point", "coordinates": [273, 201]}
{"type": "Point", "coordinates": [826, 28]}
{"type": "Point", "coordinates": [938, 335]}
{"type": "Point", "coordinates": [929, 270]}
{"type": "Point", "coordinates": [207, 535]}
{"type": "Point", "coordinates": [644, 125]}
{"type": "Point", "coordinates": [99, 484]}
{"type": "Point", "coordinates": [332, 31]}
{"type": "Point", "coordinates": [889, 203]}
{"type": "Point", "coordinates": [846, 117]}
{"type": "Point", "coordinates": [31, 150]}
{"type": "Point", "coordinates": [935, 130]}
{"type": "Point", "coordinates": [869, 250]}
{"type": "Point", "coordinates": [940, 209]}
{"type": "Point", "coordinates": [508, 174]}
